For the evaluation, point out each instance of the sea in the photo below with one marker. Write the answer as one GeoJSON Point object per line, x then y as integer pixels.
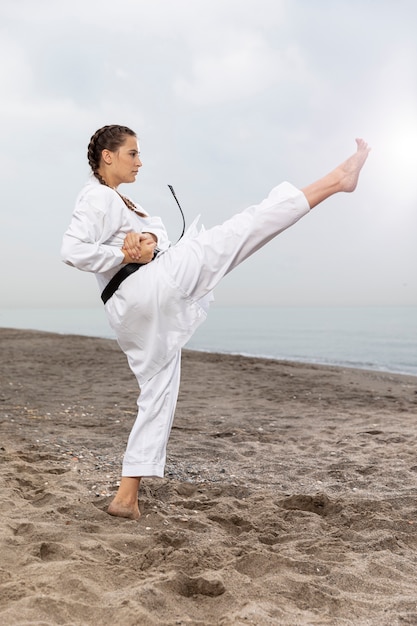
{"type": "Point", "coordinates": [376, 338]}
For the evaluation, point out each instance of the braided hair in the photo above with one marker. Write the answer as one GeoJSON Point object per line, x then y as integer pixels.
{"type": "Point", "coordinates": [110, 138]}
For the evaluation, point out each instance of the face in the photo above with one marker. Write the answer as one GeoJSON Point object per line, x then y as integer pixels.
{"type": "Point", "coordinates": [123, 165]}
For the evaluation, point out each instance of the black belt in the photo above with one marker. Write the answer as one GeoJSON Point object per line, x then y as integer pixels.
{"type": "Point", "coordinates": [118, 278]}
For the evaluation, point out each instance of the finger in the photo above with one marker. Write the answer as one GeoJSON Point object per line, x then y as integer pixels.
{"type": "Point", "coordinates": [134, 253]}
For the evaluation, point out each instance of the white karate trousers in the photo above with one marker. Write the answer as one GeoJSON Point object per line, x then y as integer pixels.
{"type": "Point", "coordinates": [194, 267]}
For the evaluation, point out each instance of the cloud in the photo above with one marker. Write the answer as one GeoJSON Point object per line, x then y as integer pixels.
{"type": "Point", "coordinates": [241, 68]}
{"type": "Point", "coordinates": [228, 98]}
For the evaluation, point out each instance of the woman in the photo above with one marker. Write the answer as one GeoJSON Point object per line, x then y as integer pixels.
{"type": "Point", "coordinates": [155, 310]}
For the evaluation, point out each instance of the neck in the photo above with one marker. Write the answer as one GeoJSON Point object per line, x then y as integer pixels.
{"type": "Point", "coordinates": [130, 205]}
{"type": "Point", "coordinates": [105, 180]}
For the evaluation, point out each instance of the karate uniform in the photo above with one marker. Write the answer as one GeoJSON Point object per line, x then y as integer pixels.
{"type": "Point", "coordinates": [157, 309]}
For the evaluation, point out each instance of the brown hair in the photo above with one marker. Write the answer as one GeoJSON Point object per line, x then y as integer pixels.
{"type": "Point", "coordinates": [109, 138]}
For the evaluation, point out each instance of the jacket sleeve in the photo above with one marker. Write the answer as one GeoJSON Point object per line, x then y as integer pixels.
{"type": "Point", "coordinates": [93, 242]}
{"type": "Point", "coordinates": [155, 226]}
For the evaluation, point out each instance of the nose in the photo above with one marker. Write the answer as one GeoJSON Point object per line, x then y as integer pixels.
{"type": "Point", "coordinates": [138, 162]}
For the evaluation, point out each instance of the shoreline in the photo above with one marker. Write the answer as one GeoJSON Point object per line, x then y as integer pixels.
{"type": "Point", "coordinates": [289, 496]}
{"type": "Point", "coordinates": [296, 361]}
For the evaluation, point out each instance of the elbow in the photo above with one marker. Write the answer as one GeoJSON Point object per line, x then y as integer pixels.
{"type": "Point", "coordinates": [67, 256]}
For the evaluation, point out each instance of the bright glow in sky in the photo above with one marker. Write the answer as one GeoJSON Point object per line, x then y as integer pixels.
{"type": "Point", "coordinates": [402, 140]}
{"type": "Point", "coordinates": [229, 98]}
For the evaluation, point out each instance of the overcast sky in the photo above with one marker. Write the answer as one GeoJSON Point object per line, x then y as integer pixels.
{"type": "Point", "coordinates": [229, 98]}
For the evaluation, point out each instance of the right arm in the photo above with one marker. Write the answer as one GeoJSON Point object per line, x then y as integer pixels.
{"type": "Point", "coordinates": [85, 242]}
{"type": "Point", "coordinates": [94, 241]}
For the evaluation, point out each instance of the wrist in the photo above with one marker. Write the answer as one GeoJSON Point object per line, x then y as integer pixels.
{"type": "Point", "coordinates": [154, 237]}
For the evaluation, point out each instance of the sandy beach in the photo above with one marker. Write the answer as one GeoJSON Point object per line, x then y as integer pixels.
{"type": "Point", "coordinates": [290, 494]}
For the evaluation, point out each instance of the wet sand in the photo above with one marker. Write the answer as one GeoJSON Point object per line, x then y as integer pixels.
{"type": "Point", "coordinates": [290, 494]}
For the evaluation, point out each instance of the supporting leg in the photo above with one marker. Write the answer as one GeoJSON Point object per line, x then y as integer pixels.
{"type": "Point", "coordinates": [146, 448]}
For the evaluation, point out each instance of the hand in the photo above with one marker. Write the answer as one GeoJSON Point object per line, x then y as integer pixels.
{"type": "Point", "coordinates": [139, 247]}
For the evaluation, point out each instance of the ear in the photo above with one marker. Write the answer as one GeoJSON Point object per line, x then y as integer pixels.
{"type": "Point", "coordinates": [106, 155]}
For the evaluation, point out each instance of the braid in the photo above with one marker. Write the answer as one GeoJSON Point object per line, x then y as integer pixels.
{"type": "Point", "coordinates": [109, 138]}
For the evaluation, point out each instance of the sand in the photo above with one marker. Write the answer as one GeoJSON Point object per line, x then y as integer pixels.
{"type": "Point", "coordinates": [290, 494]}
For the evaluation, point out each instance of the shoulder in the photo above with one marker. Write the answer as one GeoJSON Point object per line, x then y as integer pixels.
{"type": "Point", "coordinates": [95, 194]}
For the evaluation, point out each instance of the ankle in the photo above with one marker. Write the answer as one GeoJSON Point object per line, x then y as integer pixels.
{"type": "Point", "coordinates": [128, 490]}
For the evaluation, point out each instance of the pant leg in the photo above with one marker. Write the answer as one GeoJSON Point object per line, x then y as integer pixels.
{"type": "Point", "coordinates": [146, 448]}
{"type": "Point", "coordinates": [201, 262]}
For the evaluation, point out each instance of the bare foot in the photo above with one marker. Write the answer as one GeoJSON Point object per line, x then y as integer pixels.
{"type": "Point", "coordinates": [125, 502]}
{"type": "Point", "coordinates": [120, 509]}
{"type": "Point", "coordinates": [343, 178]}
{"type": "Point", "coordinates": [349, 170]}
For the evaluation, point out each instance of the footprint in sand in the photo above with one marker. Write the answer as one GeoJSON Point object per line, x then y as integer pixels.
{"type": "Point", "coordinates": [209, 584]}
